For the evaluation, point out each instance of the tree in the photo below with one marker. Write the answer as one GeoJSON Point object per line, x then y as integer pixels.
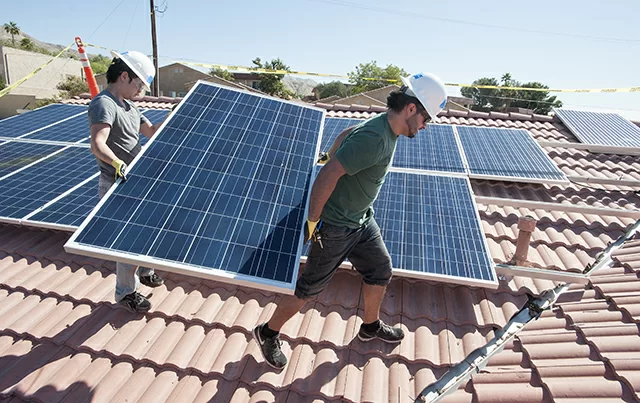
{"type": "Point", "coordinates": [72, 86]}
{"type": "Point", "coordinates": [27, 44]}
{"type": "Point", "coordinates": [333, 88]}
{"type": "Point", "coordinates": [99, 64]}
{"type": "Point", "coordinates": [222, 73]}
{"type": "Point", "coordinates": [370, 76]}
{"type": "Point", "coordinates": [12, 29]}
{"type": "Point", "coordinates": [272, 83]}
{"type": "Point", "coordinates": [499, 99]}
{"type": "Point", "coordinates": [2, 83]}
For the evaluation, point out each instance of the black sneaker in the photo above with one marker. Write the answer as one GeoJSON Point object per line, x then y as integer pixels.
{"type": "Point", "coordinates": [135, 302]}
{"type": "Point", "coordinates": [270, 348]}
{"type": "Point", "coordinates": [385, 333]}
{"type": "Point", "coordinates": [152, 280]}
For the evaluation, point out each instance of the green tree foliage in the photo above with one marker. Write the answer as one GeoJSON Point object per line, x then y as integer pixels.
{"type": "Point", "coordinates": [272, 83]}
{"type": "Point", "coordinates": [2, 83]}
{"type": "Point", "coordinates": [333, 88]}
{"type": "Point", "coordinates": [27, 44]}
{"type": "Point", "coordinates": [99, 64]}
{"type": "Point", "coordinates": [12, 29]}
{"type": "Point", "coordinates": [361, 77]}
{"type": "Point", "coordinates": [222, 73]}
{"type": "Point", "coordinates": [499, 99]}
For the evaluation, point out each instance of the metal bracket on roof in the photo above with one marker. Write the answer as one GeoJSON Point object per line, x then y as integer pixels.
{"type": "Point", "coordinates": [533, 272]}
{"type": "Point", "coordinates": [533, 308]}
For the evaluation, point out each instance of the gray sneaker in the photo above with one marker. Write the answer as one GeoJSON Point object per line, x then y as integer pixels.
{"type": "Point", "coordinates": [385, 333]}
{"type": "Point", "coordinates": [270, 348]}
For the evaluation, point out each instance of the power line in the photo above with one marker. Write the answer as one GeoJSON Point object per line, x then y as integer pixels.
{"type": "Point", "coordinates": [105, 20]}
{"type": "Point", "coordinates": [477, 24]}
{"type": "Point", "coordinates": [130, 23]}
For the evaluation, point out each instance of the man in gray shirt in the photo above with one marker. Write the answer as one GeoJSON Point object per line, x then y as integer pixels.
{"type": "Point", "coordinates": [115, 122]}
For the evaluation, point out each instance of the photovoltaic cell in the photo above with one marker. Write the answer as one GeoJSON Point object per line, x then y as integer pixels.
{"type": "Point", "coordinates": [71, 209]}
{"type": "Point", "coordinates": [506, 154]}
{"type": "Point", "coordinates": [432, 149]}
{"type": "Point", "coordinates": [155, 116]}
{"type": "Point", "coordinates": [332, 129]}
{"type": "Point", "coordinates": [608, 129]}
{"type": "Point", "coordinates": [15, 155]}
{"type": "Point", "coordinates": [72, 130]}
{"type": "Point", "coordinates": [431, 227]}
{"type": "Point", "coordinates": [221, 191]}
{"type": "Point", "coordinates": [33, 187]}
{"type": "Point", "coordinates": [22, 124]}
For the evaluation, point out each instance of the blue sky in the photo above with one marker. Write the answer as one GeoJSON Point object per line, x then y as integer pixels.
{"type": "Point", "coordinates": [564, 44]}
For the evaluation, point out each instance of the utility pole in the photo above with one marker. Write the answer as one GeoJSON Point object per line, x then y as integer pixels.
{"type": "Point", "coordinates": [155, 89]}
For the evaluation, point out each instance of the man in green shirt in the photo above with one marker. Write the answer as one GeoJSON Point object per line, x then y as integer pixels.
{"type": "Point", "coordinates": [341, 222]}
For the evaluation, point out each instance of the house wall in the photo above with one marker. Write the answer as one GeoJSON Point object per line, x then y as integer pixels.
{"type": "Point", "coordinates": [17, 63]}
{"type": "Point", "coordinates": [175, 77]}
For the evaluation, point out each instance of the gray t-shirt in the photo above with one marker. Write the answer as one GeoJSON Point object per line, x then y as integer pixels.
{"type": "Point", "coordinates": [125, 121]}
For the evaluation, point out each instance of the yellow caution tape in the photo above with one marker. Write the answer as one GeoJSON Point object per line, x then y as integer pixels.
{"type": "Point", "coordinates": [243, 69]}
{"type": "Point", "coordinates": [33, 73]}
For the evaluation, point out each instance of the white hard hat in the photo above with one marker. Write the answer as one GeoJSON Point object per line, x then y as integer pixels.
{"type": "Point", "coordinates": [140, 65]}
{"type": "Point", "coordinates": [429, 90]}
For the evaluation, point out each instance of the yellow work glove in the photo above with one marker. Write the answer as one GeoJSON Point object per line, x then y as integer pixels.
{"type": "Point", "coordinates": [121, 169]}
{"type": "Point", "coordinates": [312, 231]}
{"type": "Point", "coordinates": [324, 157]}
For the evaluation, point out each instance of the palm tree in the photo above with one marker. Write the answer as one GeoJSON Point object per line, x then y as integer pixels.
{"type": "Point", "coordinates": [12, 29]}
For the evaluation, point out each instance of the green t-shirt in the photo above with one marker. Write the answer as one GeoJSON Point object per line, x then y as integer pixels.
{"type": "Point", "coordinates": [366, 154]}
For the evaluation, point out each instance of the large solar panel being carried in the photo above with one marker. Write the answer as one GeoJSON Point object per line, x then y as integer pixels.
{"type": "Point", "coordinates": [599, 128]}
{"type": "Point", "coordinates": [19, 125]}
{"type": "Point", "coordinates": [432, 149]}
{"type": "Point", "coordinates": [507, 154]}
{"type": "Point", "coordinates": [221, 191]}
{"type": "Point", "coordinates": [431, 227]}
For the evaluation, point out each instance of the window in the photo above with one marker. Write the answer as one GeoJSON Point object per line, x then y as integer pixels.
{"type": "Point", "coordinates": [178, 70]}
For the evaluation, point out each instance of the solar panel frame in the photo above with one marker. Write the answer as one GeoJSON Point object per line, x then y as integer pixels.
{"type": "Point", "coordinates": [476, 152]}
{"type": "Point", "coordinates": [595, 128]}
{"type": "Point", "coordinates": [74, 246]}
{"type": "Point", "coordinates": [72, 130]}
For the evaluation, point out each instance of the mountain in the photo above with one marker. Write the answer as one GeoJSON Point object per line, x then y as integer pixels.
{"type": "Point", "coordinates": [299, 86]}
{"type": "Point", "coordinates": [5, 38]}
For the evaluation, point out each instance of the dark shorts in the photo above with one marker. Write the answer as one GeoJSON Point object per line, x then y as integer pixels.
{"type": "Point", "coordinates": [364, 248]}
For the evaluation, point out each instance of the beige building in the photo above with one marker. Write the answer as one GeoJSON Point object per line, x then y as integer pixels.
{"type": "Point", "coordinates": [174, 79]}
{"type": "Point", "coordinates": [16, 64]}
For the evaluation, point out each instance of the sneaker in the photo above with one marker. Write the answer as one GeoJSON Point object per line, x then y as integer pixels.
{"type": "Point", "coordinates": [385, 333]}
{"type": "Point", "coordinates": [135, 303]}
{"type": "Point", "coordinates": [152, 280]}
{"type": "Point", "coordinates": [270, 348]}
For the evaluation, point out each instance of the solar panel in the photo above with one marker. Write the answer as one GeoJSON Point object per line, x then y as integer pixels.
{"type": "Point", "coordinates": [221, 191]}
{"type": "Point", "coordinates": [15, 155]}
{"type": "Point", "coordinates": [609, 129]}
{"type": "Point", "coordinates": [507, 154]}
{"type": "Point", "coordinates": [27, 190]}
{"type": "Point", "coordinates": [432, 230]}
{"type": "Point", "coordinates": [432, 149]}
{"type": "Point", "coordinates": [72, 130]}
{"type": "Point", "coordinates": [156, 116]}
{"type": "Point", "coordinates": [68, 210]}
{"type": "Point", "coordinates": [22, 124]}
{"type": "Point", "coordinates": [332, 129]}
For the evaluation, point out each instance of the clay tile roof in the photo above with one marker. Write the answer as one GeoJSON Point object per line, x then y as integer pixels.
{"type": "Point", "coordinates": [63, 339]}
